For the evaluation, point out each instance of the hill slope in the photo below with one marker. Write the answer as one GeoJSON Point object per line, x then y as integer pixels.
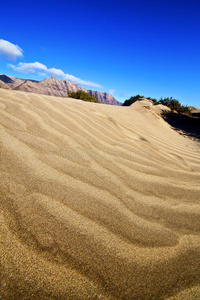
{"type": "Point", "coordinates": [97, 202]}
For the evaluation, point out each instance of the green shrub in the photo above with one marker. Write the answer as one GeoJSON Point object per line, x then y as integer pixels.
{"type": "Point", "coordinates": [175, 105]}
{"type": "Point", "coordinates": [82, 96]}
{"type": "Point", "coordinates": [172, 103]}
{"type": "Point", "coordinates": [131, 100]}
{"type": "Point", "coordinates": [136, 98]}
{"type": "Point", "coordinates": [154, 100]}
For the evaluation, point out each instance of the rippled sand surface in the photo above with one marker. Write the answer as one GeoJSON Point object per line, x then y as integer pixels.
{"type": "Point", "coordinates": [97, 202]}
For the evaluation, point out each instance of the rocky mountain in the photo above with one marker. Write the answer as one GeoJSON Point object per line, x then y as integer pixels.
{"type": "Point", "coordinates": [54, 87]}
{"type": "Point", "coordinates": [10, 82]}
{"type": "Point", "coordinates": [49, 86]}
{"type": "Point", "coordinates": [104, 97]}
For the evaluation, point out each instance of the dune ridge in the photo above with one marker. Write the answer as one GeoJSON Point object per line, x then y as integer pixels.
{"type": "Point", "coordinates": [97, 202]}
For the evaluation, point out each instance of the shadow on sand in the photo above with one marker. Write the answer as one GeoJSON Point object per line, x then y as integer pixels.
{"type": "Point", "coordinates": [185, 125]}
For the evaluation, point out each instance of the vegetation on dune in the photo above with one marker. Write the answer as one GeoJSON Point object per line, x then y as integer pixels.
{"type": "Point", "coordinates": [154, 100]}
{"type": "Point", "coordinates": [172, 103]}
{"type": "Point", "coordinates": [82, 96]}
{"type": "Point", "coordinates": [136, 98]}
{"type": "Point", "coordinates": [175, 105]}
{"type": "Point", "coordinates": [132, 100]}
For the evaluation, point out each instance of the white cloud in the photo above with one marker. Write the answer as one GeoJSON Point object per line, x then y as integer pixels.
{"type": "Point", "coordinates": [9, 50]}
{"type": "Point", "coordinates": [111, 92]}
{"type": "Point", "coordinates": [38, 67]}
{"type": "Point", "coordinates": [56, 72]}
{"type": "Point", "coordinates": [29, 67]}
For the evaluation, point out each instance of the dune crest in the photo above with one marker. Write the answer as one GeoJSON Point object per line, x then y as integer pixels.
{"type": "Point", "coordinates": [97, 202]}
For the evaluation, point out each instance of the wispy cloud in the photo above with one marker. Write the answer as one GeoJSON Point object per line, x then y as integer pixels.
{"type": "Point", "coordinates": [112, 91]}
{"type": "Point", "coordinates": [124, 95]}
{"type": "Point", "coordinates": [37, 67]}
{"type": "Point", "coordinates": [9, 50]}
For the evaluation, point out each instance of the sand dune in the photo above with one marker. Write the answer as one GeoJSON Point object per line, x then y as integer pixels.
{"type": "Point", "coordinates": [97, 202]}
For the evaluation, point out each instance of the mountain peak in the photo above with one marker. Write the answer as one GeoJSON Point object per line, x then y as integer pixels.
{"type": "Point", "coordinates": [49, 79]}
{"type": "Point", "coordinates": [54, 78]}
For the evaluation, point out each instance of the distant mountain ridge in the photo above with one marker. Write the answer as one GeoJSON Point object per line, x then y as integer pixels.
{"type": "Point", "coordinates": [104, 97]}
{"type": "Point", "coordinates": [54, 87]}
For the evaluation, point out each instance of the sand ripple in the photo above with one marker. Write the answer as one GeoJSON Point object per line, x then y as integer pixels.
{"type": "Point", "coordinates": [97, 202]}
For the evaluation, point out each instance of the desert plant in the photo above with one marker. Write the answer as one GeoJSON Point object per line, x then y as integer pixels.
{"type": "Point", "coordinates": [170, 102]}
{"type": "Point", "coordinates": [82, 96]}
{"type": "Point", "coordinates": [154, 100]}
{"type": "Point", "coordinates": [131, 100]}
{"type": "Point", "coordinates": [175, 105]}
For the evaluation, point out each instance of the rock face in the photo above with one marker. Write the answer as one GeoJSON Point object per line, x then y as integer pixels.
{"type": "Point", "coordinates": [49, 86]}
{"type": "Point", "coordinates": [104, 97]}
{"type": "Point", "coordinates": [11, 82]}
{"type": "Point", "coordinates": [54, 87]}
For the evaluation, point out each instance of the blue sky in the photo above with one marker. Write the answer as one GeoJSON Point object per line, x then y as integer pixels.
{"type": "Point", "coordinates": [146, 47]}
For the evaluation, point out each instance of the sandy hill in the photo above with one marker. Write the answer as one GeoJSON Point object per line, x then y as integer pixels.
{"type": "Point", "coordinates": [195, 111]}
{"type": "Point", "coordinates": [54, 87]}
{"type": "Point", "coordinates": [97, 202]}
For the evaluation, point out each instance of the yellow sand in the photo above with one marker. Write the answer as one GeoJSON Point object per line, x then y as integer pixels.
{"type": "Point", "coordinates": [97, 202]}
